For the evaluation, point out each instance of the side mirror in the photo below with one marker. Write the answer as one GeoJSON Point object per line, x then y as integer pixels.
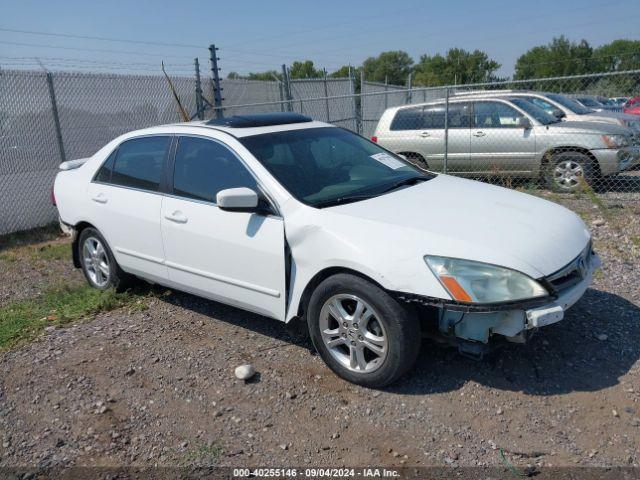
{"type": "Point", "coordinates": [237, 199]}
{"type": "Point", "coordinates": [523, 122]}
{"type": "Point", "coordinates": [556, 112]}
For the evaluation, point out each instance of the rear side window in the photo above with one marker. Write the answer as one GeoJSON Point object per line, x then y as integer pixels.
{"type": "Point", "coordinates": [139, 163]}
{"type": "Point", "coordinates": [104, 172]}
{"type": "Point", "coordinates": [204, 167]}
{"type": "Point", "coordinates": [431, 117]}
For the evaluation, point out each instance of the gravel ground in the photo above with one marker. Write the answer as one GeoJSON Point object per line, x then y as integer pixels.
{"type": "Point", "coordinates": [157, 387]}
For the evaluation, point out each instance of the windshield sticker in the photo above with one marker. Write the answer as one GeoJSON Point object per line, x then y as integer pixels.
{"type": "Point", "coordinates": [388, 160]}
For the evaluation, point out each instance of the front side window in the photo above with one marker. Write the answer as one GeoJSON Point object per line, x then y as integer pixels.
{"type": "Point", "coordinates": [535, 111]}
{"type": "Point", "coordinates": [204, 167]}
{"type": "Point", "coordinates": [327, 165]}
{"type": "Point", "coordinates": [495, 115]}
{"type": "Point", "coordinates": [139, 163]}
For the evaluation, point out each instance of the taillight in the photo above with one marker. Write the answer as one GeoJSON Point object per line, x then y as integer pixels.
{"type": "Point", "coordinates": [374, 139]}
{"type": "Point", "coordinates": [53, 198]}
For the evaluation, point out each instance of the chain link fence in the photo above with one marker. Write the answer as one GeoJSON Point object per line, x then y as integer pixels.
{"type": "Point", "coordinates": [527, 133]}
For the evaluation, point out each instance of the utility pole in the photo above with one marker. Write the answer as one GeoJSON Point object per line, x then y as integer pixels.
{"type": "Point", "coordinates": [217, 89]}
{"type": "Point", "coordinates": [199, 103]}
{"type": "Point", "coordinates": [287, 87]}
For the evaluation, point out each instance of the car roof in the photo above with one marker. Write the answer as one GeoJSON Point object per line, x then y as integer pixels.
{"type": "Point", "coordinates": [460, 99]}
{"type": "Point", "coordinates": [248, 125]}
{"type": "Point", "coordinates": [259, 120]}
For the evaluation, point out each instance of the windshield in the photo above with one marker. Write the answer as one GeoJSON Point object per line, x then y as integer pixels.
{"type": "Point", "coordinates": [569, 103]}
{"type": "Point", "coordinates": [533, 110]}
{"type": "Point", "coordinates": [322, 165]}
{"type": "Point", "coordinates": [590, 102]}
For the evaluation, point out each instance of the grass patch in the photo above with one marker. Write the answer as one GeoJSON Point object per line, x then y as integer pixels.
{"type": "Point", "coordinates": [23, 320]}
{"type": "Point", "coordinates": [27, 237]}
{"type": "Point", "coordinates": [55, 251]}
{"type": "Point", "coordinates": [203, 454]}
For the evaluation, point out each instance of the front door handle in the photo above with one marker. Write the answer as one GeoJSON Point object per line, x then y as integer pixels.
{"type": "Point", "coordinates": [99, 198]}
{"type": "Point", "coordinates": [177, 217]}
{"type": "Point", "coordinates": [479, 133]}
{"type": "Point", "coordinates": [425, 134]}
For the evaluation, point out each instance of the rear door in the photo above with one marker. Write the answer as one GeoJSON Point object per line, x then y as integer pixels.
{"type": "Point", "coordinates": [421, 130]}
{"type": "Point", "coordinates": [125, 198]}
{"type": "Point", "coordinates": [230, 256]}
{"type": "Point", "coordinates": [498, 144]}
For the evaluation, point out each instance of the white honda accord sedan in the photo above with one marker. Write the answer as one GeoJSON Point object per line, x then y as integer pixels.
{"type": "Point", "coordinates": [292, 218]}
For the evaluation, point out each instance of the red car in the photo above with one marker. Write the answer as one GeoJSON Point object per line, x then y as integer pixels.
{"type": "Point", "coordinates": [632, 106]}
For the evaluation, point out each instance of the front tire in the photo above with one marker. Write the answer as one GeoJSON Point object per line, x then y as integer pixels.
{"type": "Point", "coordinates": [98, 263]}
{"type": "Point", "coordinates": [567, 171]}
{"type": "Point", "coordinates": [362, 333]}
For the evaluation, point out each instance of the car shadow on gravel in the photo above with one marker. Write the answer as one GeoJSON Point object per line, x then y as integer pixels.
{"type": "Point", "coordinates": [573, 355]}
{"type": "Point", "coordinates": [589, 350]}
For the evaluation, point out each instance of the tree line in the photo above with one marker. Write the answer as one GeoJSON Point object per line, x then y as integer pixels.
{"type": "Point", "coordinates": [560, 57]}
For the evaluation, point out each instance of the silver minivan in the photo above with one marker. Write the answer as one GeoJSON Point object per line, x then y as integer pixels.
{"type": "Point", "coordinates": [506, 136]}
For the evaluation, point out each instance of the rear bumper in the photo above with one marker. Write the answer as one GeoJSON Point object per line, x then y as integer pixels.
{"type": "Point", "coordinates": [612, 161]}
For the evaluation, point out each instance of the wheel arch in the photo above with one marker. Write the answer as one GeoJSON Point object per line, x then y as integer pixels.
{"type": "Point", "coordinates": [318, 278]}
{"type": "Point", "coordinates": [77, 230]}
{"type": "Point", "coordinates": [546, 157]}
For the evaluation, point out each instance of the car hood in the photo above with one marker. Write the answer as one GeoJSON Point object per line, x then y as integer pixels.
{"type": "Point", "coordinates": [455, 217]}
{"type": "Point", "coordinates": [595, 127]}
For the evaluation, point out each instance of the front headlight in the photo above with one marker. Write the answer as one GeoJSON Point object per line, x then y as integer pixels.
{"type": "Point", "coordinates": [478, 282]}
{"type": "Point", "coordinates": [615, 141]}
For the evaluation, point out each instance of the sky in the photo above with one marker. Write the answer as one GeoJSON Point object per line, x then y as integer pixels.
{"type": "Point", "coordinates": [262, 35]}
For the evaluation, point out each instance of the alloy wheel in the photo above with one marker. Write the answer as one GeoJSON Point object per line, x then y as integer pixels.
{"type": "Point", "coordinates": [353, 332]}
{"type": "Point", "coordinates": [96, 261]}
{"type": "Point", "coordinates": [567, 174]}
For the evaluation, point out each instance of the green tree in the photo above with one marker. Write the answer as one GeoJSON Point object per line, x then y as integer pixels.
{"type": "Point", "coordinates": [458, 66]}
{"type": "Point", "coordinates": [558, 58]}
{"type": "Point", "coordinates": [304, 69]}
{"type": "Point", "coordinates": [343, 72]}
{"type": "Point", "coordinates": [394, 66]}
{"type": "Point", "coordinates": [617, 56]}
{"type": "Point", "coordinates": [270, 75]}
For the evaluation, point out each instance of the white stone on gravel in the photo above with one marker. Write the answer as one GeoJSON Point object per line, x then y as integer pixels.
{"type": "Point", "coordinates": [245, 372]}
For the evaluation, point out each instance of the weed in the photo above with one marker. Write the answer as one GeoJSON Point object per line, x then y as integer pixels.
{"type": "Point", "coordinates": [203, 454]}
{"type": "Point", "coordinates": [23, 320]}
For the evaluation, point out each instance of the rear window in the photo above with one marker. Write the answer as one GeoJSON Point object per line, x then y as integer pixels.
{"type": "Point", "coordinates": [139, 163]}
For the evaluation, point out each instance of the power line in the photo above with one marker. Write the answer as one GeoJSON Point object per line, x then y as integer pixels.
{"type": "Point", "coordinates": [104, 39]}
{"type": "Point", "coordinates": [84, 49]}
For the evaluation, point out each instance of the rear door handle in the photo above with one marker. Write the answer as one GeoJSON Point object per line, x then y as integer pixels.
{"type": "Point", "coordinates": [177, 217]}
{"type": "Point", "coordinates": [99, 198]}
{"type": "Point", "coordinates": [425, 134]}
{"type": "Point", "coordinates": [479, 134]}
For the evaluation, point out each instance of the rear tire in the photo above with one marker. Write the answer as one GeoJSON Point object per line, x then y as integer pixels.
{"type": "Point", "coordinates": [566, 170]}
{"type": "Point", "coordinates": [98, 263]}
{"type": "Point", "coordinates": [416, 159]}
{"type": "Point", "coordinates": [363, 334]}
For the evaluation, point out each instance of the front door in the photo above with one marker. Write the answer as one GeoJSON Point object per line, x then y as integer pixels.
{"type": "Point", "coordinates": [499, 145]}
{"type": "Point", "coordinates": [232, 257]}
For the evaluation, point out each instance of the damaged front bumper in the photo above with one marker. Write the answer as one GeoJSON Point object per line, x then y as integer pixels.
{"type": "Point", "coordinates": [473, 326]}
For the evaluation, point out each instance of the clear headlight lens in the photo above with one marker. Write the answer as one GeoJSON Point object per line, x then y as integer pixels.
{"type": "Point", "coordinates": [615, 141]}
{"type": "Point", "coordinates": [477, 282]}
